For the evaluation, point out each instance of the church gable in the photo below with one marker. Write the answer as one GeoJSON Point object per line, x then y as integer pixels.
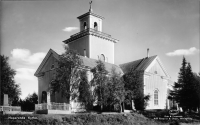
{"type": "Point", "coordinates": [156, 67]}
{"type": "Point", "coordinates": [49, 62]}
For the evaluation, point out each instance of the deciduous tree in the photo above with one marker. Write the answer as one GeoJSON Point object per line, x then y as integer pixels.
{"type": "Point", "coordinates": [134, 89]}
{"type": "Point", "coordinates": [85, 92]}
{"type": "Point", "coordinates": [108, 87]}
{"type": "Point", "coordinates": [8, 85]}
{"type": "Point", "coordinates": [28, 104]}
{"type": "Point", "coordinates": [68, 74]}
{"type": "Point", "coordinates": [99, 82]}
{"type": "Point", "coordinates": [117, 91]}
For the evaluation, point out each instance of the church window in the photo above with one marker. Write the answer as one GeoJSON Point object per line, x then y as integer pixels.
{"type": "Point", "coordinates": [95, 26]}
{"type": "Point", "coordinates": [85, 25]}
{"type": "Point", "coordinates": [52, 66]}
{"type": "Point", "coordinates": [84, 51]}
{"type": "Point", "coordinates": [44, 97]}
{"type": "Point", "coordinates": [102, 57]}
{"type": "Point", "coordinates": [156, 97]}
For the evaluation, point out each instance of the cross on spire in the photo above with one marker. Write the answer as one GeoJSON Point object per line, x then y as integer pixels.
{"type": "Point", "coordinates": [90, 10]}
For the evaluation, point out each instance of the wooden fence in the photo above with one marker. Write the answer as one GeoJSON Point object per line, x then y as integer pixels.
{"type": "Point", "coordinates": [52, 106]}
{"type": "Point", "coordinates": [10, 108]}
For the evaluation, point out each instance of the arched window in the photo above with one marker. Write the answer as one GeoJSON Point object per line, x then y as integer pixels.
{"type": "Point", "coordinates": [102, 57]}
{"type": "Point", "coordinates": [85, 25]}
{"type": "Point", "coordinates": [95, 26]}
{"type": "Point", "coordinates": [156, 97]}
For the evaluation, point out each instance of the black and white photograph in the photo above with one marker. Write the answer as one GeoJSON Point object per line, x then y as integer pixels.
{"type": "Point", "coordinates": [100, 62]}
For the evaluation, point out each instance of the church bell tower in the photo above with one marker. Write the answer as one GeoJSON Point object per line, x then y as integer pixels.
{"type": "Point", "coordinates": [91, 41]}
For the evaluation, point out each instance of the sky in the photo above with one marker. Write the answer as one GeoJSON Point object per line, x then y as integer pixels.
{"type": "Point", "coordinates": [169, 28]}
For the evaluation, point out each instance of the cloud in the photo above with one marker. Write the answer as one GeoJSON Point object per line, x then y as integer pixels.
{"type": "Point", "coordinates": [181, 52]}
{"type": "Point", "coordinates": [25, 56]}
{"type": "Point", "coordinates": [26, 64]}
{"type": "Point", "coordinates": [28, 82]}
{"type": "Point", "coordinates": [69, 29]}
{"type": "Point", "coordinates": [25, 73]}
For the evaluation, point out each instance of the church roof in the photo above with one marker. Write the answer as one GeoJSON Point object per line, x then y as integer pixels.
{"type": "Point", "coordinates": [140, 64]}
{"type": "Point", "coordinates": [86, 62]}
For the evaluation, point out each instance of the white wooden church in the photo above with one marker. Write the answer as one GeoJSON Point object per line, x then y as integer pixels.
{"type": "Point", "coordinates": [93, 44]}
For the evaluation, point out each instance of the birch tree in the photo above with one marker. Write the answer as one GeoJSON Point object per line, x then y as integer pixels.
{"type": "Point", "coordinates": [67, 75]}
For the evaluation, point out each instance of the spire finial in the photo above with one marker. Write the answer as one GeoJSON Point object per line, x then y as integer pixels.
{"type": "Point", "coordinates": [90, 10]}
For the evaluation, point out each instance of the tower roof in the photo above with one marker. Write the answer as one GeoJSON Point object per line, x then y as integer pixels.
{"type": "Point", "coordinates": [90, 32]}
{"type": "Point", "coordinates": [90, 13]}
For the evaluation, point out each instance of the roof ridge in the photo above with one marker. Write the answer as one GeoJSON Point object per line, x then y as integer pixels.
{"type": "Point", "coordinates": [137, 60]}
{"type": "Point", "coordinates": [142, 60]}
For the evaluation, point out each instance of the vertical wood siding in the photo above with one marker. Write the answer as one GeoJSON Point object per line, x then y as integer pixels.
{"type": "Point", "coordinates": [154, 82]}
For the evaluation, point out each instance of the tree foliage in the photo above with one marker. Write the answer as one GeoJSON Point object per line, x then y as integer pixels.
{"type": "Point", "coordinates": [8, 85]}
{"type": "Point", "coordinates": [185, 90]}
{"type": "Point", "coordinates": [85, 92]}
{"type": "Point", "coordinates": [67, 74]}
{"type": "Point", "coordinates": [197, 88]}
{"type": "Point", "coordinates": [99, 83]}
{"type": "Point", "coordinates": [116, 89]}
{"type": "Point", "coordinates": [134, 89]}
{"type": "Point", "coordinates": [108, 87]}
{"type": "Point", "coordinates": [28, 104]}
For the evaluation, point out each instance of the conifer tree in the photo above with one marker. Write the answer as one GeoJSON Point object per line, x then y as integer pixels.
{"type": "Point", "coordinates": [190, 95]}
{"type": "Point", "coordinates": [184, 92]}
{"type": "Point", "coordinates": [177, 92]}
{"type": "Point", "coordinates": [197, 88]}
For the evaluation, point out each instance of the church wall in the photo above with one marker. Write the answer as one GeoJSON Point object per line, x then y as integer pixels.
{"type": "Point", "coordinates": [44, 81]}
{"type": "Point", "coordinates": [80, 45]}
{"type": "Point", "coordinates": [43, 85]}
{"type": "Point", "coordinates": [154, 82]}
{"type": "Point", "coordinates": [100, 46]}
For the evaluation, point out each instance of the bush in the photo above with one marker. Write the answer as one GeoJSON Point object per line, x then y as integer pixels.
{"type": "Point", "coordinates": [81, 119]}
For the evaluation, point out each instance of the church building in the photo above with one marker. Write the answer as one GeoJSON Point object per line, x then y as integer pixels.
{"type": "Point", "coordinates": [93, 44]}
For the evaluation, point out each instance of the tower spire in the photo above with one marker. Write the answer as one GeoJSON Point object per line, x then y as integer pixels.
{"type": "Point", "coordinates": [90, 10]}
